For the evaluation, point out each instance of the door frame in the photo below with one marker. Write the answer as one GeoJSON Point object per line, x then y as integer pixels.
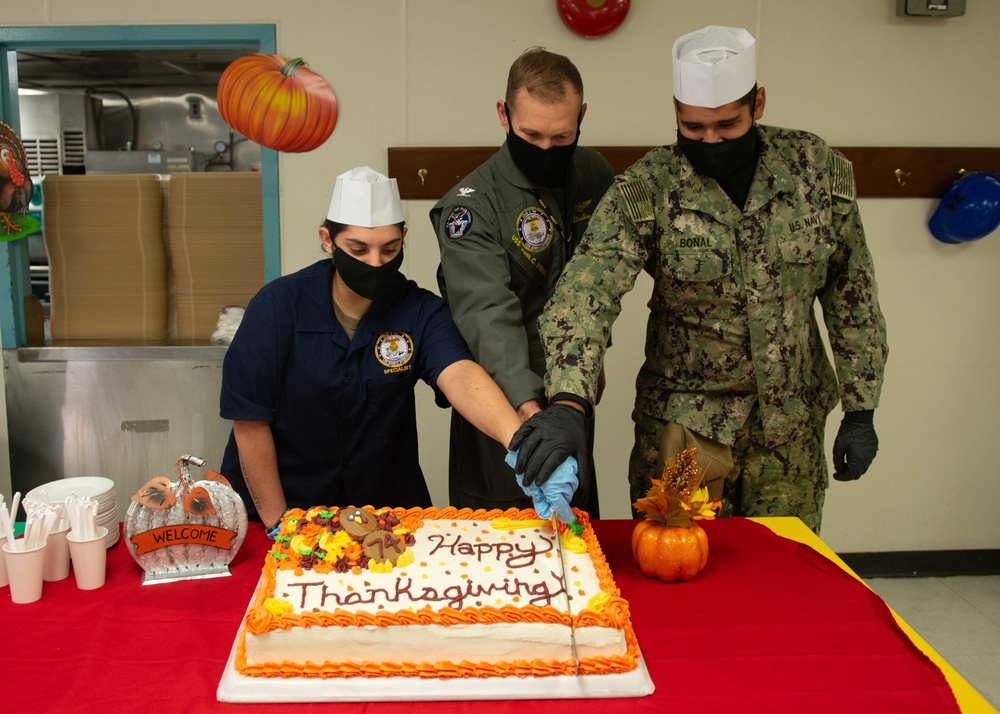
{"type": "Point", "coordinates": [15, 282]}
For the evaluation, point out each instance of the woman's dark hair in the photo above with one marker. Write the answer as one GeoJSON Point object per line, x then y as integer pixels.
{"type": "Point", "coordinates": [335, 228]}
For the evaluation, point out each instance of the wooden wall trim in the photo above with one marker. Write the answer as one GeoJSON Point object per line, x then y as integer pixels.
{"type": "Point", "coordinates": [923, 172]}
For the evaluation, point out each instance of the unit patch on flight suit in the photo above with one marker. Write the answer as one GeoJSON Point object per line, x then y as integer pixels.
{"type": "Point", "coordinates": [534, 230]}
{"type": "Point", "coordinates": [393, 350]}
{"type": "Point", "coordinates": [459, 222]}
{"type": "Point", "coordinates": [580, 212]}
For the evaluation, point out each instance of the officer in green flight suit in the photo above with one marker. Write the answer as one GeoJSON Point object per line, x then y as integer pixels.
{"type": "Point", "coordinates": [505, 233]}
{"type": "Point", "coordinates": [742, 228]}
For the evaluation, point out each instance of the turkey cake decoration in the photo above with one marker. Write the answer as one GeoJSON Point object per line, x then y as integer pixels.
{"type": "Point", "coordinates": [186, 529]}
{"type": "Point", "coordinates": [16, 188]}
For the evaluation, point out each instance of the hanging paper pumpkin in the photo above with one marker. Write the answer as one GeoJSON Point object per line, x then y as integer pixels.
{"type": "Point", "coordinates": [277, 103]}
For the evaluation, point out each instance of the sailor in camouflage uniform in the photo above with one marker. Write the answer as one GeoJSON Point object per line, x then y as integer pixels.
{"type": "Point", "coordinates": [505, 233]}
{"type": "Point", "coordinates": [742, 228]}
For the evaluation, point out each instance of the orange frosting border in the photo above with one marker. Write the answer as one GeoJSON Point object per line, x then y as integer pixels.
{"type": "Point", "coordinates": [259, 620]}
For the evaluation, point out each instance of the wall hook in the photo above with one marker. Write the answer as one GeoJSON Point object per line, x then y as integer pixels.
{"type": "Point", "coordinates": [422, 173]}
{"type": "Point", "coordinates": [901, 176]}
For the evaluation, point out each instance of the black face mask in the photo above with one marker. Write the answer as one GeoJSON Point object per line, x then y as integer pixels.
{"type": "Point", "coordinates": [368, 281]}
{"type": "Point", "coordinates": [721, 159]}
{"type": "Point", "coordinates": [544, 167]}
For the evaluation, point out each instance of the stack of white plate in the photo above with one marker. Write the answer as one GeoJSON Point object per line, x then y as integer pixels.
{"type": "Point", "coordinates": [101, 490]}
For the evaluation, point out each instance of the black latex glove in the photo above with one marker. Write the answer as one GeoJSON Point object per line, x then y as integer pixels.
{"type": "Point", "coordinates": [546, 439]}
{"type": "Point", "coordinates": [855, 447]}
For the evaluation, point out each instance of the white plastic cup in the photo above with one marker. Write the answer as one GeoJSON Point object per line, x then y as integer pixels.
{"type": "Point", "coordinates": [24, 570]}
{"type": "Point", "coordinates": [89, 558]}
{"type": "Point", "coordinates": [56, 556]}
{"type": "Point", "coordinates": [3, 565]}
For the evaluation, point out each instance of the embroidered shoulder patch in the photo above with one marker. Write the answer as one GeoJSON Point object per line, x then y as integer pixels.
{"type": "Point", "coordinates": [636, 201]}
{"type": "Point", "coordinates": [459, 221]}
{"type": "Point", "coordinates": [842, 177]}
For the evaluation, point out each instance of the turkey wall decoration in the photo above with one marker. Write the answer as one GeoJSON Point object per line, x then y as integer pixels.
{"type": "Point", "coordinates": [16, 188]}
{"type": "Point", "coordinates": [277, 103]}
{"type": "Point", "coordinates": [188, 529]}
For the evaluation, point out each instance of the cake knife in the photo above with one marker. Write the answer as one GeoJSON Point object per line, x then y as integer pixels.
{"type": "Point", "coordinates": [565, 583]}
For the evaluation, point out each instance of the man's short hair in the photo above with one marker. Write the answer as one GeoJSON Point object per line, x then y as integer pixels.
{"type": "Point", "coordinates": [544, 74]}
{"type": "Point", "coordinates": [749, 97]}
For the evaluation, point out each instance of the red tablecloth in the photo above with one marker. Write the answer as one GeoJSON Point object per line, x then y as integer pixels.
{"type": "Point", "coordinates": [769, 626]}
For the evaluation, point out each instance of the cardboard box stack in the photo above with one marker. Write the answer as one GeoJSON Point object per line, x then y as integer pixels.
{"type": "Point", "coordinates": [107, 258]}
{"type": "Point", "coordinates": [216, 247]}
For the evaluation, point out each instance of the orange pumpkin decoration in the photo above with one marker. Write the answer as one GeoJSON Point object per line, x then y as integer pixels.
{"type": "Point", "coordinates": [277, 103]}
{"type": "Point", "coordinates": [204, 505]}
{"type": "Point", "coordinates": [669, 544]}
{"type": "Point", "coordinates": [669, 552]}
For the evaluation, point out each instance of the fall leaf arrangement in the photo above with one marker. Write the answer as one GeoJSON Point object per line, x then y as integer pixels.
{"type": "Point", "coordinates": [677, 498]}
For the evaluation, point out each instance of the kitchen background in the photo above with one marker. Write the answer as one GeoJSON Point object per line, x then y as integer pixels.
{"type": "Point", "coordinates": [429, 73]}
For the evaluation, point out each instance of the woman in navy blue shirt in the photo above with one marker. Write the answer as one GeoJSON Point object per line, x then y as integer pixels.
{"type": "Point", "coordinates": [319, 379]}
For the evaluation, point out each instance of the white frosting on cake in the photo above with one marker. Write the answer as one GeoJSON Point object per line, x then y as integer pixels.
{"type": "Point", "coordinates": [433, 643]}
{"type": "Point", "coordinates": [458, 564]}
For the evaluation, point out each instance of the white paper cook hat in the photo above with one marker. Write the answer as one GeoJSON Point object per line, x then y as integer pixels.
{"type": "Point", "coordinates": [364, 197]}
{"type": "Point", "coordinates": [714, 66]}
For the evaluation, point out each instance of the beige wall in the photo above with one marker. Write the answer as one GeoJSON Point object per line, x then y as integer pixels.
{"type": "Point", "coordinates": [428, 72]}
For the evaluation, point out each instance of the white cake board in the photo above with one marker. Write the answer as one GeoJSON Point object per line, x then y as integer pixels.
{"type": "Point", "coordinates": [235, 687]}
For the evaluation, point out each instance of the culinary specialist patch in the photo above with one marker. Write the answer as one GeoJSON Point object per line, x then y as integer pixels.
{"type": "Point", "coordinates": [393, 349]}
{"type": "Point", "coordinates": [533, 227]}
{"type": "Point", "coordinates": [459, 221]}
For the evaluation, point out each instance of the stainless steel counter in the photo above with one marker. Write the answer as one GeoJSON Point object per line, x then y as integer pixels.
{"type": "Point", "coordinates": [91, 353]}
{"type": "Point", "coordinates": [126, 413]}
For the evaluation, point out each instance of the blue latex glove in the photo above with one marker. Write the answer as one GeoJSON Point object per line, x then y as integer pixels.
{"type": "Point", "coordinates": [272, 532]}
{"type": "Point", "coordinates": [556, 493]}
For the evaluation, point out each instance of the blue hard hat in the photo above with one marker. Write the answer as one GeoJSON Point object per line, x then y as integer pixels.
{"type": "Point", "coordinates": [969, 210]}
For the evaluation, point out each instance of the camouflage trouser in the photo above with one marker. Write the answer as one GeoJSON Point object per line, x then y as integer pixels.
{"type": "Point", "coordinates": [786, 480]}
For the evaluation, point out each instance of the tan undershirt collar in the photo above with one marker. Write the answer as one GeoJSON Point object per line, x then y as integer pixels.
{"type": "Point", "coordinates": [350, 324]}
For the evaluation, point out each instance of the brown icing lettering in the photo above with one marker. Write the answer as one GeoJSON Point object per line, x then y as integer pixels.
{"type": "Point", "coordinates": [511, 555]}
{"type": "Point", "coordinates": [381, 546]}
{"type": "Point", "coordinates": [404, 591]}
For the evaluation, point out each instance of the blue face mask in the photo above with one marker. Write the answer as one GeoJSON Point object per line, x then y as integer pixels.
{"type": "Point", "coordinates": [368, 281]}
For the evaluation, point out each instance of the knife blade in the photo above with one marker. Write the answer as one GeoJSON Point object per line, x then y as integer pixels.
{"type": "Point", "coordinates": [565, 583]}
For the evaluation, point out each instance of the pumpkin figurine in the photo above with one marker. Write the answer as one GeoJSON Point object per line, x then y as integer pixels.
{"type": "Point", "coordinates": [669, 544]}
{"type": "Point", "coordinates": [277, 103]}
{"type": "Point", "coordinates": [187, 529]}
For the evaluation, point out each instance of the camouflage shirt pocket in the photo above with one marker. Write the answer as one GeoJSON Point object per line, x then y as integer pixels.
{"type": "Point", "coordinates": [806, 252]}
{"type": "Point", "coordinates": [697, 281]}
